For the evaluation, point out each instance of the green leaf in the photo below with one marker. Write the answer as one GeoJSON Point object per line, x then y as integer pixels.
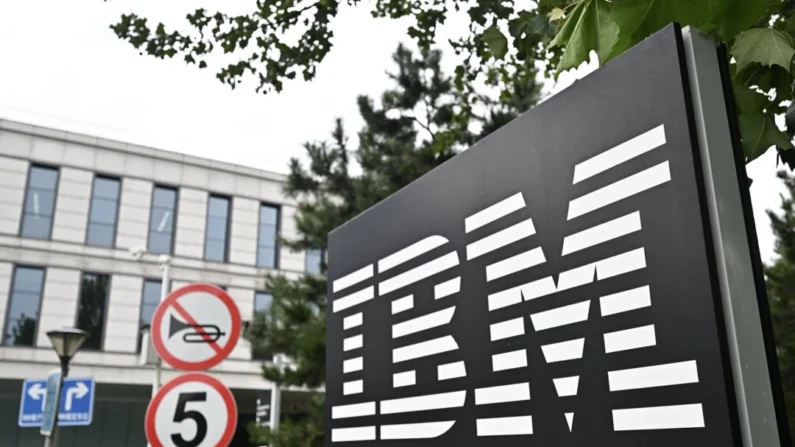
{"type": "Point", "coordinates": [759, 133]}
{"type": "Point", "coordinates": [642, 18]}
{"type": "Point", "coordinates": [787, 156]}
{"type": "Point", "coordinates": [750, 101]}
{"type": "Point", "coordinates": [765, 46]}
{"type": "Point", "coordinates": [532, 24]}
{"type": "Point", "coordinates": [741, 15]}
{"type": "Point", "coordinates": [539, 25]}
{"type": "Point", "coordinates": [639, 19]}
{"type": "Point", "coordinates": [496, 41]}
{"type": "Point", "coordinates": [590, 26]}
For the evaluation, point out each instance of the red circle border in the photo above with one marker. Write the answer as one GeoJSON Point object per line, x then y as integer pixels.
{"type": "Point", "coordinates": [223, 391]}
{"type": "Point", "coordinates": [157, 320]}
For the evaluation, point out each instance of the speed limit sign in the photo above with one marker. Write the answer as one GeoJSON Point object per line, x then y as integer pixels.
{"type": "Point", "coordinates": [193, 410]}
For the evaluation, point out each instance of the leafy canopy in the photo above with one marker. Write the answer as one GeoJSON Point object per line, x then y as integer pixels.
{"type": "Point", "coordinates": [281, 40]}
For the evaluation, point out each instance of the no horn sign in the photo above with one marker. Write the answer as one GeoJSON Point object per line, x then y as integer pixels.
{"type": "Point", "coordinates": [196, 327]}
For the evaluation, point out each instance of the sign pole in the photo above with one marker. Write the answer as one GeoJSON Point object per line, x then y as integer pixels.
{"type": "Point", "coordinates": [52, 439]}
{"type": "Point", "coordinates": [164, 266]}
{"type": "Point", "coordinates": [165, 260]}
{"type": "Point", "coordinates": [276, 398]}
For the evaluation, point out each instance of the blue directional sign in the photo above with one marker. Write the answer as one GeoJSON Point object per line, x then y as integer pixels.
{"type": "Point", "coordinates": [76, 408]}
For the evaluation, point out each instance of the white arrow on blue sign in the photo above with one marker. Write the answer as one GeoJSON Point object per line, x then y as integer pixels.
{"type": "Point", "coordinates": [77, 402]}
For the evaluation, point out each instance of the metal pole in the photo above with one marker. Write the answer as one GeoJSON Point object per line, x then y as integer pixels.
{"type": "Point", "coordinates": [164, 266]}
{"type": "Point", "coordinates": [276, 401]}
{"type": "Point", "coordinates": [164, 283]}
{"type": "Point", "coordinates": [164, 262]}
{"type": "Point", "coordinates": [52, 440]}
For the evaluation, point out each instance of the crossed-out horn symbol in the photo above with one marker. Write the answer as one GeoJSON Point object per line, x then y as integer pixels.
{"type": "Point", "coordinates": [210, 332]}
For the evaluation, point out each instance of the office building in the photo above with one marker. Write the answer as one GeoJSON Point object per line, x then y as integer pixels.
{"type": "Point", "coordinates": [71, 208]}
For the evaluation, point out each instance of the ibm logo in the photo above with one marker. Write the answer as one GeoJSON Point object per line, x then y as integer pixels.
{"type": "Point", "coordinates": [560, 357]}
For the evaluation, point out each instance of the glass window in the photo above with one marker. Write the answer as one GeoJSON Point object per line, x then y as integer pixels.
{"type": "Point", "coordinates": [92, 307]}
{"type": "Point", "coordinates": [161, 222]}
{"type": "Point", "coordinates": [104, 212]}
{"type": "Point", "coordinates": [268, 229]}
{"type": "Point", "coordinates": [23, 307]}
{"type": "Point", "coordinates": [149, 302]}
{"type": "Point", "coordinates": [39, 202]}
{"type": "Point", "coordinates": [314, 260]}
{"type": "Point", "coordinates": [262, 301]}
{"type": "Point", "coordinates": [217, 229]}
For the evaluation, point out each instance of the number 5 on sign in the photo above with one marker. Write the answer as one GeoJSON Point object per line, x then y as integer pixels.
{"type": "Point", "coordinates": [193, 410]}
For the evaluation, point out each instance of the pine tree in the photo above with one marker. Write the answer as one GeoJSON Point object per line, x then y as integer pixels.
{"type": "Point", "coordinates": [780, 281]}
{"type": "Point", "coordinates": [412, 129]}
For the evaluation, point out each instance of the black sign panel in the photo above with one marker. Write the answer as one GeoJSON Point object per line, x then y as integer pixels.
{"type": "Point", "coordinates": [263, 410]}
{"type": "Point", "coordinates": [550, 286]}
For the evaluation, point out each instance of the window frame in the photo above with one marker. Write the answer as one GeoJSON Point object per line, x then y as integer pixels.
{"type": "Point", "coordinates": [321, 259]}
{"type": "Point", "coordinates": [104, 311]}
{"type": "Point", "coordinates": [173, 242]}
{"type": "Point", "coordinates": [7, 316]}
{"type": "Point", "coordinates": [56, 192]}
{"type": "Point", "coordinates": [227, 235]}
{"type": "Point", "coordinates": [118, 209]}
{"type": "Point", "coordinates": [253, 315]}
{"type": "Point", "coordinates": [276, 244]}
{"type": "Point", "coordinates": [141, 309]}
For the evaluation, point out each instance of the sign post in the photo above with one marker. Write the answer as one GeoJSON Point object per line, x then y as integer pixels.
{"type": "Point", "coordinates": [586, 275]}
{"type": "Point", "coordinates": [194, 329]}
{"type": "Point", "coordinates": [49, 416]}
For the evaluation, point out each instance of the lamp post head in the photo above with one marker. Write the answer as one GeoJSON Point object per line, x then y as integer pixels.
{"type": "Point", "coordinates": [67, 341]}
{"type": "Point", "coordinates": [137, 252]}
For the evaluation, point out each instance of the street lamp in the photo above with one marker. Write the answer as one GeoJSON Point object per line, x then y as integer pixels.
{"type": "Point", "coordinates": [163, 262]}
{"type": "Point", "coordinates": [66, 342]}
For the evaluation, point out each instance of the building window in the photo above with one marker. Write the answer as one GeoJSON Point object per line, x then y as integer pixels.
{"type": "Point", "coordinates": [92, 307]}
{"type": "Point", "coordinates": [39, 202]}
{"type": "Point", "coordinates": [161, 222]}
{"type": "Point", "coordinates": [23, 307]}
{"type": "Point", "coordinates": [149, 302]}
{"type": "Point", "coordinates": [268, 229]}
{"type": "Point", "coordinates": [104, 212]}
{"type": "Point", "coordinates": [217, 229]}
{"type": "Point", "coordinates": [314, 261]}
{"type": "Point", "coordinates": [262, 302]}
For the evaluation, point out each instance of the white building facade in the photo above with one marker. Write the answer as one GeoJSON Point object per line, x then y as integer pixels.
{"type": "Point", "coordinates": [71, 207]}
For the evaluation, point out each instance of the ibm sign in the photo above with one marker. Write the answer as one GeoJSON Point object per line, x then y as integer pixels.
{"type": "Point", "coordinates": [568, 281]}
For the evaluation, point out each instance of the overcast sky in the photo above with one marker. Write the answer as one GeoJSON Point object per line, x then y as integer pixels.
{"type": "Point", "coordinates": [61, 66]}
